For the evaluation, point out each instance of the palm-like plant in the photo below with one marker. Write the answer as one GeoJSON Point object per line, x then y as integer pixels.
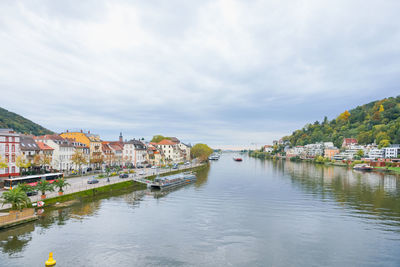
{"type": "Point", "coordinates": [17, 198]}
{"type": "Point", "coordinates": [60, 183]}
{"type": "Point", "coordinates": [44, 186]}
{"type": "Point", "coordinates": [26, 187]}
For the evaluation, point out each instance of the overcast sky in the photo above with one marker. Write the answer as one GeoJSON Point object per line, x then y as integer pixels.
{"type": "Point", "coordinates": [220, 72]}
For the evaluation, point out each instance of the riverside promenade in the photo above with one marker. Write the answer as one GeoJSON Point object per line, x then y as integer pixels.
{"type": "Point", "coordinates": [78, 184]}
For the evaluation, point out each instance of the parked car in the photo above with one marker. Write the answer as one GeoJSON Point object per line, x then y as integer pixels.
{"type": "Point", "coordinates": [141, 173]}
{"type": "Point", "coordinates": [123, 175]}
{"type": "Point", "coordinates": [139, 166]}
{"type": "Point", "coordinates": [154, 167]}
{"type": "Point", "coordinates": [89, 169]}
{"type": "Point", "coordinates": [32, 193]}
{"type": "Point", "coordinates": [175, 166]}
{"type": "Point", "coordinates": [187, 163]}
{"type": "Point", "coordinates": [92, 181]}
{"type": "Point", "coordinates": [148, 166]}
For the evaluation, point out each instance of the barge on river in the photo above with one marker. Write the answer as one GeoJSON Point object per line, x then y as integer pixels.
{"type": "Point", "coordinates": [362, 167]}
{"type": "Point", "coordinates": [173, 180]}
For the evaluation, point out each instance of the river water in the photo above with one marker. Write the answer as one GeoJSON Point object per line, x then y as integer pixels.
{"type": "Point", "coordinates": [250, 213]}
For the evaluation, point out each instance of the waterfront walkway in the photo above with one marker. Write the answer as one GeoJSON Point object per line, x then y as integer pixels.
{"type": "Point", "coordinates": [78, 184]}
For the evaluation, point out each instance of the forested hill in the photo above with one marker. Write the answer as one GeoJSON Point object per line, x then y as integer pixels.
{"type": "Point", "coordinates": [20, 124]}
{"type": "Point", "coordinates": [376, 121]}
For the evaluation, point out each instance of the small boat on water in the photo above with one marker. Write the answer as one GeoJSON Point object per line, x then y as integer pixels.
{"type": "Point", "coordinates": [173, 180]}
{"type": "Point", "coordinates": [237, 159]}
{"type": "Point", "coordinates": [362, 167]}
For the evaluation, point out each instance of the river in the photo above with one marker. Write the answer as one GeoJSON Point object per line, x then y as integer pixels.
{"type": "Point", "coordinates": [250, 213]}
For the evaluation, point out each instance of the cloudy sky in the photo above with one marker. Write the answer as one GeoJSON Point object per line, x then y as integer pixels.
{"type": "Point", "coordinates": [223, 72]}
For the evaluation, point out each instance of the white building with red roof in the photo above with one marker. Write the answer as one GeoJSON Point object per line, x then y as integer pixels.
{"type": "Point", "coordinates": [347, 142]}
{"type": "Point", "coordinates": [62, 153]}
{"type": "Point", "coordinates": [9, 151]}
{"type": "Point", "coordinates": [171, 150]}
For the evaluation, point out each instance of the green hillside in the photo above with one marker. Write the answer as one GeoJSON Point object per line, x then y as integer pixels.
{"type": "Point", "coordinates": [20, 124]}
{"type": "Point", "coordinates": [376, 121]}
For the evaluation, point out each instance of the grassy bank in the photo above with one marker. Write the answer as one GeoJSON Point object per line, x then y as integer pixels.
{"type": "Point", "coordinates": [393, 169]}
{"type": "Point", "coordinates": [128, 185]}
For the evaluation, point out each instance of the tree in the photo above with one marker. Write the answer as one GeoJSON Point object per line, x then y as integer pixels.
{"type": "Point", "coordinates": [3, 163]}
{"type": "Point", "coordinates": [26, 187]}
{"type": "Point", "coordinates": [384, 143]}
{"type": "Point", "coordinates": [381, 109]}
{"type": "Point", "coordinates": [360, 153]}
{"type": "Point", "coordinates": [201, 151]}
{"type": "Point", "coordinates": [78, 159]}
{"type": "Point", "coordinates": [41, 161]}
{"type": "Point", "coordinates": [159, 138]}
{"type": "Point", "coordinates": [344, 116]}
{"type": "Point", "coordinates": [16, 197]}
{"type": "Point", "coordinates": [22, 162]}
{"type": "Point", "coordinates": [60, 183]}
{"type": "Point", "coordinates": [44, 186]}
{"type": "Point", "coordinates": [365, 138]}
{"type": "Point", "coordinates": [381, 136]}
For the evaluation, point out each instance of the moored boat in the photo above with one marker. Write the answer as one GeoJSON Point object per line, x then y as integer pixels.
{"type": "Point", "coordinates": [214, 156]}
{"type": "Point", "coordinates": [237, 159]}
{"type": "Point", "coordinates": [173, 180]}
{"type": "Point", "coordinates": [362, 167]}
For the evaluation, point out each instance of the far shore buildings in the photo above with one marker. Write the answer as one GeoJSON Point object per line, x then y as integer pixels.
{"type": "Point", "coordinates": [350, 150]}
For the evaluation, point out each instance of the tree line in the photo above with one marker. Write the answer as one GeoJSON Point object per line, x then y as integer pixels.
{"type": "Point", "coordinates": [378, 122]}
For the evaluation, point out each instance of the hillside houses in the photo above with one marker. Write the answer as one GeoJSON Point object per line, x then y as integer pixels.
{"type": "Point", "coordinates": [350, 150]}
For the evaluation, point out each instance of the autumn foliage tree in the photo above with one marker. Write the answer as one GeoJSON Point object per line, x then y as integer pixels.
{"type": "Point", "coordinates": [201, 151]}
{"type": "Point", "coordinates": [22, 162]}
{"type": "Point", "coordinates": [344, 116]}
{"type": "Point", "coordinates": [3, 163]}
{"type": "Point", "coordinates": [79, 159]}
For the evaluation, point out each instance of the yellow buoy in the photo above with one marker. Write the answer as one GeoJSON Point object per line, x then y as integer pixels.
{"type": "Point", "coordinates": [50, 261]}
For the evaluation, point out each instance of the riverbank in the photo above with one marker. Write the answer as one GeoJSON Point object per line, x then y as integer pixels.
{"type": "Point", "coordinates": [323, 161]}
{"type": "Point", "coordinates": [103, 187]}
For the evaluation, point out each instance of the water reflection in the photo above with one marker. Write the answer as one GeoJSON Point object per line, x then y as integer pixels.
{"type": "Point", "coordinates": [16, 239]}
{"type": "Point", "coordinates": [372, 195]}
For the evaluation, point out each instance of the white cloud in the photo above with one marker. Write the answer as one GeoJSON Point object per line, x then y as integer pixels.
{"type": "Point", "coordinates": [237, 69]}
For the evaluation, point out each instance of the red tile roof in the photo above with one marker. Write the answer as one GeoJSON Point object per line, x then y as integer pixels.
{"type": "Point", "coordinates": [166, 142]}
{"type": "Point", "coordinates": [44, 146]}
{"type": "Point", "coordinates": [350, 141]}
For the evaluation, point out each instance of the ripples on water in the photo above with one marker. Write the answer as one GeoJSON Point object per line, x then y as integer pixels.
{"type": "Point", "coordinates": [250, 213]}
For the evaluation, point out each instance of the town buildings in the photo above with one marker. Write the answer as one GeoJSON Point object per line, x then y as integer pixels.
{"type": "Point", "coordinates": [62, 153]}
{"type": "Point", "coordinates": [55, 152]}
{"type": "Point", "coordinates": [9, 151]}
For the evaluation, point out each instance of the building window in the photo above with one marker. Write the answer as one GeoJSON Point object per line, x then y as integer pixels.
{"type": "Point", "coordinates": [13, 169]}
{"type": "Point", "coordinates": [6, 138]}
{"type": "Point", "coordinates": [13, 147]}
{"type": "Point", "coordinates": [13, 157]}
{"type": "Point", "coordinates": [7, 158]}
{"type": "Point", "coordinates": [7, 170]}
{"type": "Point", "coordinates": [13, 139]}
{"type": "Point", "coordinates": [7, 148]}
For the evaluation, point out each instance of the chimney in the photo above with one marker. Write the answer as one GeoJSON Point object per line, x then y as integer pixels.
{"type": "Point", "coordinates": [121, 139]}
